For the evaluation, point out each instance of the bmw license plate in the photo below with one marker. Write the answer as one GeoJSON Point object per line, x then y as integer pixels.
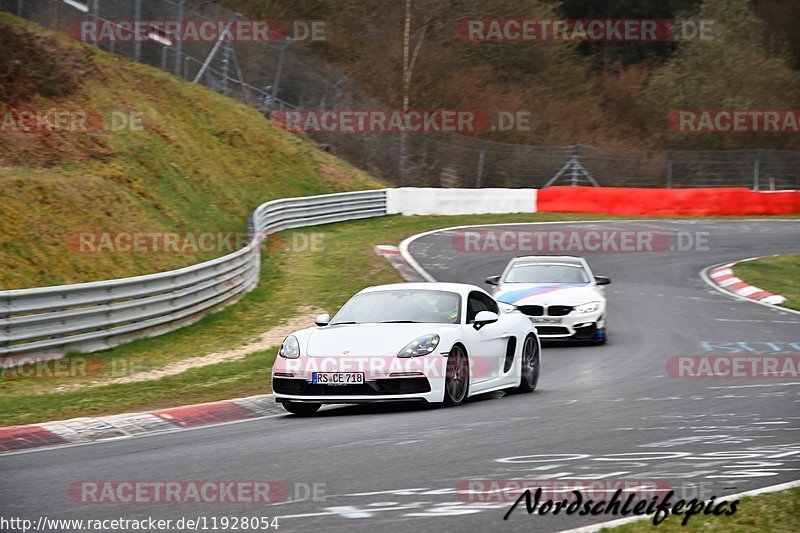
{"type": "Point", "coordinates": [545, 320]}
{"type": "Point", "coordinates": [337, 378]}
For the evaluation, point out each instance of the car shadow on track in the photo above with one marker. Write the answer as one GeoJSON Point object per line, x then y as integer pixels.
{"type": "Point", "coordinates": [383, 408]}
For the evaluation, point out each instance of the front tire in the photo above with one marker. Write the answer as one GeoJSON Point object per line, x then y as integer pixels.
{"type": "Point", "coordinates": [456, 382]}
{"type": "Point", "coordinates": [529, 375]}
{"type": "Point", "coordinates": [301, 409]}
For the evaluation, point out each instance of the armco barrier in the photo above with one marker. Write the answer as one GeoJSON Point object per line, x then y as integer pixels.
{"type": "Point", "coordinates": [634, 201]}
{"type": "Point", "coordinates": [98, 315]}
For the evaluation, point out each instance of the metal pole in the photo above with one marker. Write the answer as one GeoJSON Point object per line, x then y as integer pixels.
{"type": "Point", "coordinates": [179, 44]}
{"type": "Point", "coordinates": [757, 171]}
{"type": "Point", "coordinates": [163, 58]}
{"type": "Point", "coordinates": [137, 16]}
{"type": "Point", "coordinates": [576, 155]}
{"type": "Point", "coordinates": [401, 147]}
{"type": "Point", "coordinates": [669, 170]}
{"type": "Point", "coordinates": [334, 94]}
{"type": "Point", "coordinates": [226, 55]}
{"type": "Point", "coordinates": [479, 171]}
{"type": "Point", "coordinates": [279, 67]}
{"type": "Point", "coordinates": [95, 14]}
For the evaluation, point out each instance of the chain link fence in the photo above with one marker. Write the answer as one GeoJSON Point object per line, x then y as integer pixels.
{"type": "Point", "coordinates": [285, 75]}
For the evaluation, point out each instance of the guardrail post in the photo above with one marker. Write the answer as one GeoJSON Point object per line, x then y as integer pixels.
{"type": "Point", "coordinates": [757, 170]}
{"type": "Point", "coordinates": [19, 8]}
{"type": "Point", "coordinates": [669, 170]}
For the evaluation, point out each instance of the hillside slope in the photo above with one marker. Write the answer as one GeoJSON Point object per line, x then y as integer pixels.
{"type": "Point", "coordinates": [195, 161]}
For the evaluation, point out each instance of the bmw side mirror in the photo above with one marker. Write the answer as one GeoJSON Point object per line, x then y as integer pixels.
{"type": "Point", "coordinates": [602, 280]}
{"type": "Point", "coordinates": [483, 318]}
{"type": "Point", "coordinates": [323, 319]}
{"type": "Point", "coordinates": [493, 280]}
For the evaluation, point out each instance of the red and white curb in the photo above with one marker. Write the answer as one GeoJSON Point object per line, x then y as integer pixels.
{"type": "Point", "coordinates": [723, 277]}
{"type": "Point", "coordinates": [398, 261]}
{"type": "Point", "coordinates": [89, 429]}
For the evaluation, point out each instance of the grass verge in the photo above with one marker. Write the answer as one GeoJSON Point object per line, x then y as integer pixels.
{"type": "Point", "coordinates": [779, 275]}
{"type": "Point", "coordinates": [775, 512]}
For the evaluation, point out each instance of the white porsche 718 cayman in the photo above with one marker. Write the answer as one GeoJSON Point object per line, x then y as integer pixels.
{"type": "Point", "coordinates": [429, 342]}
{"type": "Point", "coordinates": [562, 297]}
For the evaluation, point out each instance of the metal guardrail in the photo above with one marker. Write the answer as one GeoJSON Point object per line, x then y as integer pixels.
{"type": "Point", "coordinates": [98, 315]}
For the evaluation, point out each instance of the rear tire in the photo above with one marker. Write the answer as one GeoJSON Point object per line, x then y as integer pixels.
{"type": "Point", "coordinates": [301, 409]}
{"type": "Point", "coordinates": [529, 376]}
{"type": "Point", "coordinates": [456, 382]}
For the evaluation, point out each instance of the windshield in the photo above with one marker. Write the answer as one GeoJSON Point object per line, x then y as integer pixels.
{"type": "Point", "coordinates": [434, 307]}
{"type": "Point", "coordinates": [547, 273]}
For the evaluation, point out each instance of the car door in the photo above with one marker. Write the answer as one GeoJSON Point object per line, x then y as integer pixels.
{"type": "Point", "coordinates": [487, 346]}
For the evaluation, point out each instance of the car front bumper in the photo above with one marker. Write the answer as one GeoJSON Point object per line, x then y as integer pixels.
{"type": "Point", "coordinates": [574, 326]}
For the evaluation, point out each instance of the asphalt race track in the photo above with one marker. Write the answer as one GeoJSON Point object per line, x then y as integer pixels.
{"type": "Point", "coordinates": [599, 411]}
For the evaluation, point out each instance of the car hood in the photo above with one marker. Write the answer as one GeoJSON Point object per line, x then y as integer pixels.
{"type": "Point", "coordinates": [549, 293]}
{"type": "Point", "coordinates": [367, 339]}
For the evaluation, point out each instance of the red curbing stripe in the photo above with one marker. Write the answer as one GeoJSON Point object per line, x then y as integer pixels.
{"type": "Point", "coordinates": [760, 295]}
{"type": "Point", "coordinates": [205, 414]}
{"type": "Point", "coordinates": [26, 437]}
{"type": "Point", "coordinates": [736, 286]}
{"type": "Point", "coordinates": [725, 277]}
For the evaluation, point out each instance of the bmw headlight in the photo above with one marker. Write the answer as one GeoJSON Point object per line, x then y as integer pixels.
{"type": "Point", "coordinates": [588, 308]}
{"type": "Point", "coordinates": [421, 346]}
{"type": "Point", "coordinates": [508, 308]}
{"type": "Point", "coordinates": [290, 349]}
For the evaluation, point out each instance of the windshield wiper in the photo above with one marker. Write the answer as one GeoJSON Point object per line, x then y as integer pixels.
{"type": "Point", "coordinates": [341, 323]}
{"type": "Point", "coordinates": [401, 322]}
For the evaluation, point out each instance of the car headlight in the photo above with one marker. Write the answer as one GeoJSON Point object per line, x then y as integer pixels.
{"type": "Point", "coordinates": [421, 346]}
{"type": "Point", "coordinates": [588, 308]}
{"type": "Point", "coordinates": [290, 349]}
{"type": "Point", "coordinates": [508, 308]}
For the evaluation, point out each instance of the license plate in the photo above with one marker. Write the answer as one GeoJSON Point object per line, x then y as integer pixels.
{"type": "Point", "coordinates": [545, 320]}
{"type": "Point", "coordinates": [337, 378]}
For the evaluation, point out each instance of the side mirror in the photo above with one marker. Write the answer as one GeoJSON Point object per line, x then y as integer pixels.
{"type": "Point", "coordinates": [493, 280]}
{"type": "Point", "coordinates": [602, 280]}
{"type": "Point", "coordinates": [323, 319]}
{"type": "Point", "coordinates": [483, 318]}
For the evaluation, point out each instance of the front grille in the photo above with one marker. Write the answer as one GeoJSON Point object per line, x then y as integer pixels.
{"type": "Point", "coordinates": [380, 386]}
{"type": "Point", "coordinates": [552, 330]}
{"type": "Point", "coordinates": [532, 310]}
{"type": "Point", "coordinates": [559, 310]}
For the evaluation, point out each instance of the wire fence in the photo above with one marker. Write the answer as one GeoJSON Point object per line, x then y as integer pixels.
{"type": "Point", "coordinates": [299, 79]}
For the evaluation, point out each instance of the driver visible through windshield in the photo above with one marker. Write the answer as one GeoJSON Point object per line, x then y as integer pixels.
{"type": "Point", "coordinates": [401, 306]}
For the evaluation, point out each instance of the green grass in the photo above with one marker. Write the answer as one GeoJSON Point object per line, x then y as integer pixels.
{"type": "Point", "coordinates": [771, 513]}
{"type": "Point", "coordinates": [779, 275]}
{"type": "Point", "coordinates": [326, 277]}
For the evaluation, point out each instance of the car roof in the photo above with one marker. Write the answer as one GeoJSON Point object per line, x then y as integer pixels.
{"type": "Point", "coordinates": [460, 288]}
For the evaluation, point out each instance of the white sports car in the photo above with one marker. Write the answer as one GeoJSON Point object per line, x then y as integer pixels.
{"type": "Point", "coordinates": [426, 342]}
{"type": "Point", "coordinates": [562, 297]}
